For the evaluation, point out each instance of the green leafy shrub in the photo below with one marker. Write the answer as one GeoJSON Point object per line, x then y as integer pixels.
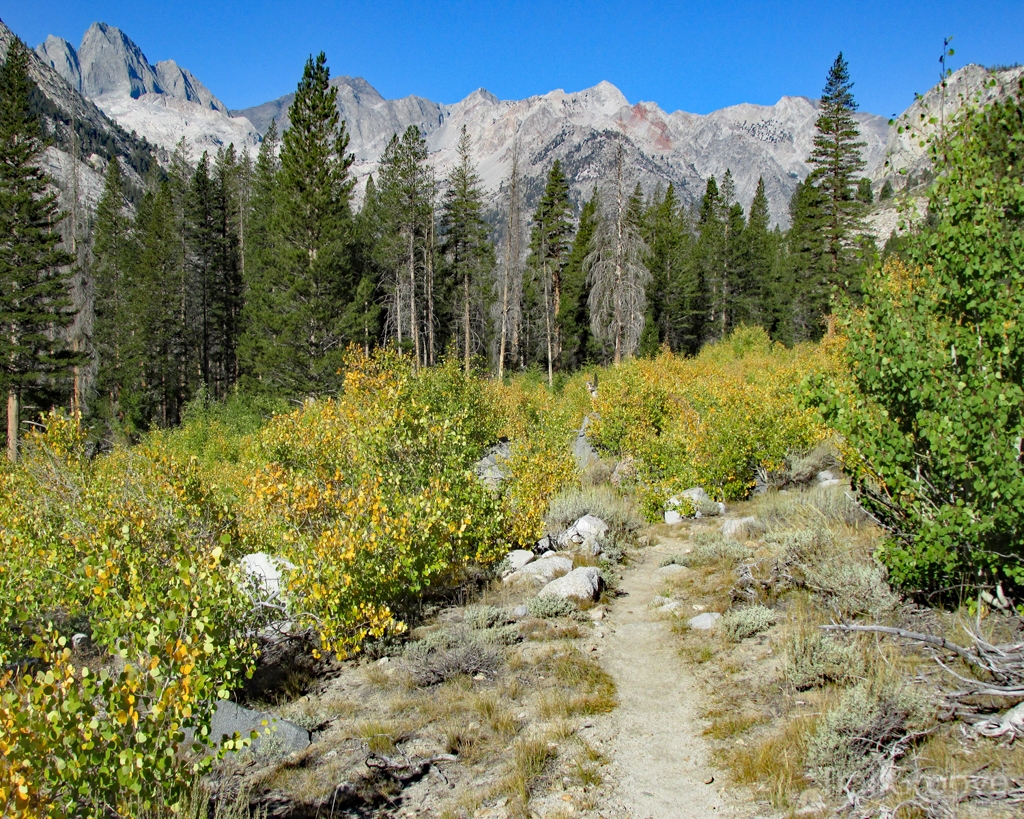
{"type": "Point", "coordinates": [934, 410]}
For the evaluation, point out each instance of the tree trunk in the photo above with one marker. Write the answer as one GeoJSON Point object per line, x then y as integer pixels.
{"type": "Point", "coordinates": [465, 316]}
{"type": "Point", "coordinates": [429, 258]}
{"type": "Point", "coordinates": [13, 424]}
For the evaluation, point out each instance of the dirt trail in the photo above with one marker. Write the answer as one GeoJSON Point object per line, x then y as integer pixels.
{"type": "Point", "coordinates": [659, 757]}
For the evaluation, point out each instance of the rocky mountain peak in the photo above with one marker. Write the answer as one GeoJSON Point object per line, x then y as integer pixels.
{"type": "Point", "coordinates": [61, 56]}
{"type": "Point", "coordinates": [113, 64]}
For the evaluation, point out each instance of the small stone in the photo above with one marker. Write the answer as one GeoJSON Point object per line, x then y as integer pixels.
{"type": "Point", "coordinates": [383, 661]}
{"type": "Point", "coordinates": [519, 612]}
{"type": "Point", "coordinates": [709, 780]}
{"type": "Point", "coordinates": [706, 621]}
{"type": "Point", "coordinates": [660, 601]}
{"type": "Point", "coordinates": [596, 614]}
{"type": "Point", "coordinates": [672, 517]}
{"type": "Point", "coordinates": [479, 677]}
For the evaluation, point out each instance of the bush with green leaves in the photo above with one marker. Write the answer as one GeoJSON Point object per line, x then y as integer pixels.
{"type": "Point", "coordinates": [547, 608]}
{"type": "Point", "coordinates": [933, 413]}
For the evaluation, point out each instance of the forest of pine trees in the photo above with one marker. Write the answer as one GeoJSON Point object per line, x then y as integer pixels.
{"type": "Point", "coordinates": [257, 273]}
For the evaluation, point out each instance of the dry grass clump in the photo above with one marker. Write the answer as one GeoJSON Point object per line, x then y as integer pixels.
{"type": "Point", "coordinates": [748, 621]}
{"type": "Point", "coordinates": [814, 659]}
{"type": "Point", "coordinates": [874, 721]}
{"type": "Point", "coordinates": [773, 765]}
{"type": "Point", "coordinates": [448, 653]}
{"type": "Point", "coordinates": [582, 687]}
{"type": "Point", "coordinates": [828, 505]}
{"type": "Point", "coordinates": [803, 467]}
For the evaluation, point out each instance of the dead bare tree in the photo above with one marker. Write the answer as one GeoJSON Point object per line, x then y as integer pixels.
{"type": "Point", "coordinates": [616, 272]}
{"type": "Point", "coordinates": [509, 280]}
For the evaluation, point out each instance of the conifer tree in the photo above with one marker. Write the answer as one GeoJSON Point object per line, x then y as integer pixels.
{"type": "Point", "coordinates": [404, 205]}
{"type": "Point", "coordinates": [574, 312]}
{"type": "Point", "coordinates": [550, 244]}
{"type": "Point", "coordinates": [468, 251]}
{"type": "Point", "coordinates": [311, 279]}
{"type": "Point", "coordinates": [34, 279]}
{"type": "Point", "coordinates": [709, 258]}
{"type": "Point", "coordinates": [112, 260]}
{"type": "Point", "coordinates": [835, 161]}
{"type": "Point", "coordinates": [670, 295]}
{"type": "Point", "coordinates": [759, 261]}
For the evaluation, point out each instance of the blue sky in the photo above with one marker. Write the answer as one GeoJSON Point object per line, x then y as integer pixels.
{"type": "Point", "coordinates": [695, 56]}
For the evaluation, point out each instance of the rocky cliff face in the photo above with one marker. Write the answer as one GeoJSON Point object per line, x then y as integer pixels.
{"type": "Point", "coordinates": [583, 130]}
{"type": "Point", "coordinates": [162, 102]}
{"type": "Point", "coordinates": [906, 151]}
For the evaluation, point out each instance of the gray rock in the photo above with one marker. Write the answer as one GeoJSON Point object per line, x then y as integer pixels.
{"type": "Point", "coordinates": [264, 574]}
{"type": "Point", "coordinates": [518, 558]}
{"type": "Point", "coordinates": [492, 469]}
{"type": "Point", "coordinates": [671, 570]}
{"type": "Point", "coordinates": [519, 612]}
{"type": "Point", "coordinates": [545, 544]}
{"type": "Point", "coordinates": [543, 569]}
{"type": "Point", "coordinates": [705, 621]}
{"type": "Point", "coordinates": [658, 601]}
{"type": "Point", "coordinates": [833, 482]}
{"type": "Point", "coordinates": [696, 494]}
{"type": "Point", "coordinates": [585, 534]}
{"type": "Point", "coordinates": [582, 584]}
{"type": "Point", "coordinates": [672, 517]}
{"type": "Point", "coordinates": [582, 452]}
{"type": "Point", "coordinates": [825, 475]}
{"type": "Point", "coordinates": [739, 528]}
{"type": "Point", "coordinates": [231, 718]}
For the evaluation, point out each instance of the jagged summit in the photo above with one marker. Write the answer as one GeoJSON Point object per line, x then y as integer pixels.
{"type": "Point", "coordinates": [163, 102]}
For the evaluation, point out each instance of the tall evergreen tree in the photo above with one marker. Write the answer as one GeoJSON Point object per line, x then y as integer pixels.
{"type": "Point", "coordinates": [574, 311]}
{"type": "Point", "coordinates": [34, 277]}
{"type": "Point", "coordinates": [468, 251]}
{"type": "Point", "coordinates": [111, 269]}
{"type": "Point", "coordinates": [835, 161]}
{"type": "Point", "coordinates": [550, 243]}
{"type": "Point", "coordinates": [808, 273]}
{"type": "Point", "coordinates": [404, 219]}
{"type": "Point", "coordinates": [759, 262]}
{"type": "Point", "coordinates": [311, 279]}
{"type": "Point", "coordinates": [710, 261]}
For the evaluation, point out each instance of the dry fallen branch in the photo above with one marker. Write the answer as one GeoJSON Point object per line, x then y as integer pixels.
{"type": "Point", "coordinates": [1004, 663]}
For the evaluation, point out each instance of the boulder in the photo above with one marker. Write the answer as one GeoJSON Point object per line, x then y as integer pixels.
{"type": "Point", "coordinates": [582, 452]}
{"type": "Point", "coordinates": [545, 544]}
{"type": "Point", "coordinates": [827, 478]}
{"type": "Point", "coordinates": [582, 585]}
{"type": "Point", "coordinates": [672, 517]}
{"type": "Point", "coordinates": [705, 621]}
{"type": "Point", "coordinates": [264, 575]}
{"type": "Point", "coordinates": [231, 718]}
{"type": "Point", "coordinates": [587, 533]}
{"type": "Point", "coordinates": [671, 570]}
{"type": "Point", "coordinates": [492, 469]}
{"type": "Point", "coordinates": [739, 528]}
{"type": "Point", "coordinates": [624, 470]}
{"type": "Point", "coordinates": [696, 494]}
{"type": "Point", "coordinates": [544, 569]}
{"type": "Point", "coordinates": [518, 558]}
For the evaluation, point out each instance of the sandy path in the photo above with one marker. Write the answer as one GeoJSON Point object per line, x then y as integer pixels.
{"type": "Point", "coordinates": [659, 757]}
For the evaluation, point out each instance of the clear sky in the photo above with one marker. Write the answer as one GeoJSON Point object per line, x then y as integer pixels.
{"type": "Point", "coordinates": [694, 56]}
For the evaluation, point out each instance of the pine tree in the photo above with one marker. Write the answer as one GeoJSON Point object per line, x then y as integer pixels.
{"type": "Point", "coordinates": [34, 281]}
{"type": "Point", "coordinates": [759, 262]}
{"type": "Point", "coordinates": [550, 243]}
{"type": "Point", "coordinates": [112, 260]}
{"type": "Point", "coordinates": [574, 313]}
{"type": "Point", "coordinates": [709, 259]}
{"type": "Point", "coordinates": [468, 251]}
{"type": "Point", "coordinates": [263, 289]}
{"type": "Point", "coordinates": [835, 161]}
{"type": "Point", "coordinates": [310, 280]}
{"type": "Point", "coordinates": [670, 295]}
{"type": "Point", "coordinates": [404, 218]}
{"type": "Point", "coordinates": [808, 286]}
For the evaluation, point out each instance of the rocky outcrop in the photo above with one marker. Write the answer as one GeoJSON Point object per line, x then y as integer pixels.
{"type": "Point", "coordinates": [163, 102]}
